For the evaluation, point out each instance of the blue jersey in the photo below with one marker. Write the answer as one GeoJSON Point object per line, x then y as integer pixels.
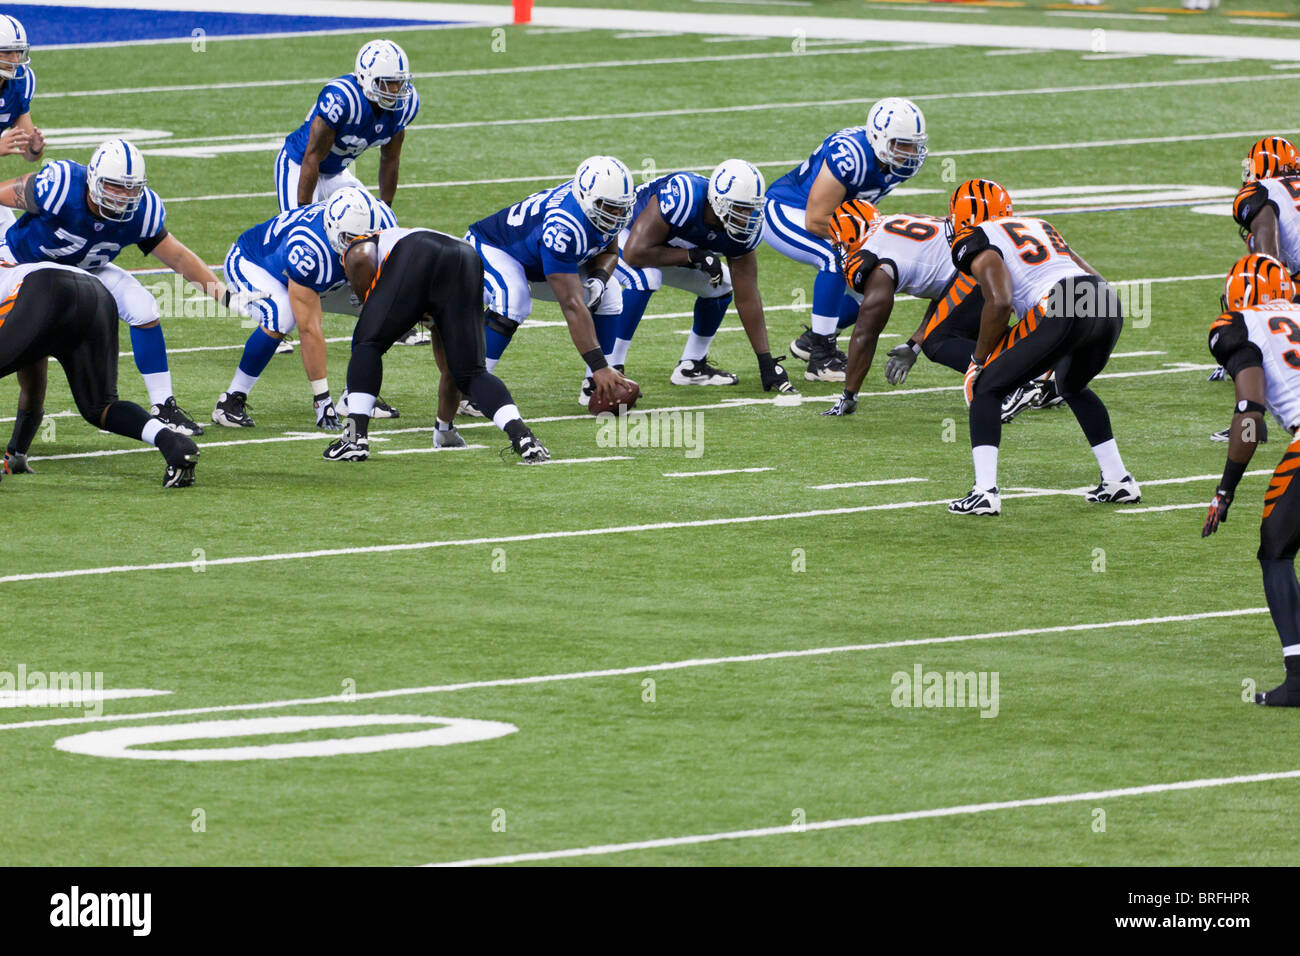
{"type": "Point", "coordinates": [683, 197]}
{"type": "Point", "coordinates": [546, 233]}
{"type": "Point", "coordinates": [16, 97]}
{"type": "Point", "coordinates": [850, 159]}
{"type": "Point", "coordinates": [294, 246]}
{"type": "Point", "coordinates": [358, 124]}
{"type": "Point", "coordinates": [66, 231]}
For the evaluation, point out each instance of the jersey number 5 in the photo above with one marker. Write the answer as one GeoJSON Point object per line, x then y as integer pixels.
{"type": "Point", "coordinates": [1036, 253]}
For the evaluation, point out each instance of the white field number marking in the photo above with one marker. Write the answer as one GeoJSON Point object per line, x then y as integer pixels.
{"type": "Point", "coordinates": [122, 741]}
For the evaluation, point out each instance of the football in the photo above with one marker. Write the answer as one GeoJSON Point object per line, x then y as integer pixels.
{"type": "Point", "coordinates": [624, 398]}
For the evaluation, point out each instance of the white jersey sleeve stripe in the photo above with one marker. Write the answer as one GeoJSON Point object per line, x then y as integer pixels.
{"type": "Point", "coordinates": [59, 191]}
{"type": "Point", "coordinates": [681, 213]}
{"type": "Point", "coordinates": [575, 227]}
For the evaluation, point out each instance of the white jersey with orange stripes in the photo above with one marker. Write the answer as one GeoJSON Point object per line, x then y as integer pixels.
{"type": "Point", "coordinates": [1035, 255]}
{"type": "Point", "coordinates": [1285, 194]}
{"type": "Point", "coordinates": [1274, 328]}
{"type": "Point", "coordinates": [917, 248]}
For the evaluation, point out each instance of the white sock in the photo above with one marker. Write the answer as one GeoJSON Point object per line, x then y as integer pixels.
{"type": "Point", "coordinates": [242, 382]}
{"type": "Point", "coordinates": [159, 386]}
{"type": "Point", "coordinates": [505, 415]}
{"type": "Point", "coordinates": [360, 403]}
{"type": "Point", "coordinates": [619, 355]}
{"type": "Point", "coordinates": [697, 347]}
{"type": "Point", "coordinates": [1112, 466]}
{"type": "Point", "coordinates": [824, 324]}
{"type": "Point", "coordinates": [150, 431]}
{"type": "Point", "coordinates": [986, 466]}
{"type": "Point", "coordinates": [491, 364]}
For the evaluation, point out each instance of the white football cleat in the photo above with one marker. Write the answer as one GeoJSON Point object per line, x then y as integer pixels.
{"type": "Point", "coordinates": [285, 347]}
{"type": "Point", "coordinates": [467, 407]}
{"type": "Point", "coordinates": [700, 372]}
{"type": "Point", "coordinates": [447, 438]}
{"type": "Point", "coordinates": [978, 502]}
{"type": "Point", "coordinates": [588, 389]}
{"type": "Point", "coordinates": [1126, 491]}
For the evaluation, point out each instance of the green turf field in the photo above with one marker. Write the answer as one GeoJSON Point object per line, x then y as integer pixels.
{"type": "Point", "coordinates": [720, 743]}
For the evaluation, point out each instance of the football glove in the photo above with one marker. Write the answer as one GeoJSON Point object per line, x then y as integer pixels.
{"type": "Point", "coordinates": [593, 288]}
{"type": "Point", "coordinates": [972, 374]}
{"type": "Point", "coordinates": [327, 417]}
{"type": "Point", "coordinates": [901, 359]}
{"type": "Point", "coordinates": [1217, 514]}
{"type": "Point", "coordinates": [242, 302]}
{"type": "Point", "coordinates": [846, 404]}
{"type": "Point", "coordinates": [710, 263]}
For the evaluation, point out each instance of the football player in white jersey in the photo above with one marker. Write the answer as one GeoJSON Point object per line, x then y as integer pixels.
{"type": "Point", "coordinates": [19, 136]}
{"type": "Point", "coordinates": [885, 256]}
{"type": "Point", "coordinates": [1069, 323]}
{"type": "Point", "coordinates": [1257, 339]}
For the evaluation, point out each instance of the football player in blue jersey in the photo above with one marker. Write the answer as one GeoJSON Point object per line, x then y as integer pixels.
{"type": "Point", "coordinates": [83, 216]}
{"type": "Point", "coordinates": [560, 244]}
{"type": "Point", "coordinates": [290, 262]}
{"type": "Point", "coordinates": [861, 162]}
{"type": "Point", "coordinates": [372, 106]}
{"type": "Point", "coordinates": [18, 135]}
{"type": "Point", "coordinates": [683, 229]}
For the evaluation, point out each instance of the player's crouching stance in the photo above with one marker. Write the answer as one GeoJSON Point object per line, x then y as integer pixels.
{"type": "Point", "coordinates": [54, 310]}
{"type": "Point", "coordinates": [884, 256]}
{"type": "Point", "coordinates": [406, 276]}
{"type": "Point", "coordinates": [1255, 339]}
{"type": "Point", "coordinates": [683, 227]}
{"type": "Point", "coordinates": [1069, 323]}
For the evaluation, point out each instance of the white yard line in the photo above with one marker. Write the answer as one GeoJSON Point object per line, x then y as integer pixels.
{"type": "Point", "coordinates": [578, 461]}
{"type": "Point", "coordinates": [430, 448]}
{"type": "Point", "coordinates": [1201, 505]}
{"type": "Point", "coordinates": [639, 669]}
{"type": "Point", "coordinates": [866, 484]}
{"type": "Point", "coordinates": [1091, 796]}
{"type": "Point", "coordinates": [716, 471]}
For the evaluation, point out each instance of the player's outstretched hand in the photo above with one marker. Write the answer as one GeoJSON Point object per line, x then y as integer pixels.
{"type": "Point", "coordinates": [710, 263]}
{"type": "Point", "coordinates": [901, 359]}
{"type": "Point", "coordinates": [846, 404]}
{"type": "Point", "coordinates": [36, 142]}
{"type": "Point", "coordinates": [608, 380]}
{"type": "Point", "coordinates": [593, 291]}
{"type": "Point", "coordinates": [14, 141]}
{"type": "Point", "coordinates": [241, 302]}
{"type": "Point", "coordinates": [1217, 514]}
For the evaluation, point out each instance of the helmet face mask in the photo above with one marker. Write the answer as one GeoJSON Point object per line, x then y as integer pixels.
{"type": "Point", "coordinates": [384, 74]}
{"type": "Point", "coordinates": [896, 131]}
{"type": "Point", "coordinates": [115, 180]}
{"type": "Point", "coordinates": [350, 214]}
{"type": "Point", "coordinates": [14, 51]}
{"type": "Point", "coordinates": [736, 196]}
{"type": "Point", "coordinates": [603, 188]}
{"type": "Point", "coordinates": [1254, 280]}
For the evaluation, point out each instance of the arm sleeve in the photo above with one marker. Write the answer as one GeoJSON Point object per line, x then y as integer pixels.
{"type": "Point", "coordinates": [968, 244]}
{"type": "Point", "coordinates": [29, 91]}
{"type": "Point", "coordinates": [1230, 344]}
{"type": "Point", "coordinates": [302, 261]}
{"type": "Point", "coordinates": [52, 186]}
{"type": "Point", "coordinates": [848, 162]}
{"type": "Point", "coordinates": [675, 200]}
{"type": "Point", "coordinates": [1252, 198]}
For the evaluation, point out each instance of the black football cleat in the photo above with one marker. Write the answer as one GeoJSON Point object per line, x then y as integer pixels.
{"type": "Point", "coordinates": [182, 456]}
{"type": "Point", "coordinates": [175, 417]}
{"type": "Point", "coordinates": [16, 464]}
{"type": "Point", "coordinates": [1286, 694]}
{"type": "Point", "coordinates": [978, 502]}
{"type": "Point", "coordinates": [529, 449]}
{"type": "Point", "coordinates": [232, 410]}
{"type": "Point", "coordinates": [1126, 491]}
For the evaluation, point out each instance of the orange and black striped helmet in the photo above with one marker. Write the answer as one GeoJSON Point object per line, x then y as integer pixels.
{"type": "Point", "coordinates": [1254, 279]}
{"type": "Point", "coordinates": [976, 201]}
{"type": "Point", "coordinates": [850, 223]}
{"type": "Point", "coordinates": [1271, 156]}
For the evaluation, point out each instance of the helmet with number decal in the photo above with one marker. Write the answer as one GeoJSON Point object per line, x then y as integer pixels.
{"type": "Point", "coordinates": [350, 214]}
{"type": "Point", "coordinates": [1254, 279]}
{"type": "Point", "coordinates": [115, 179]}
{"type": "Point", "coordinates": [850, 223]}
{"type": "Point", "coordinates": [976, 201]}
{"type": "Point", "coordinates": [896, 132]}
{"type": "Point", "coordinates": [1271, 156]}
{"type": "Point", "coordinates": [384, 73]}
{"type": "Point", "coordinates": [736, 197]}
{"type": "Point", "coordinates": [13, 39]}
{"type": "Point", "coordinates": [603, 188]}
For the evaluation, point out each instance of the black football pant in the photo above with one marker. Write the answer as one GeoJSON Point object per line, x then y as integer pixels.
{"type": "Point", "coordinates": [1071, 333]}
{"type": "Point", "coordinates": [428, 273]}
{"type": "Point", "coordinates": [952, 324]}
{"type": "Point", "coordinates": [70, 316]}
{"type": "Point", "coordinates": [1279, 539]}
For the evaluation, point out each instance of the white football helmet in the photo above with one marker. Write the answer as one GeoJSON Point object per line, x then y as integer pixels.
{"type": "Point", "coordinates": [13, 39]}
{"type": "Point", "coordinates": [350, 214]}
{"type": "Point", "coordinates": [115, 179]}
{"type": "Point", "coordinates": [896, 131]}
{"type": "Point", "coordinates": [604, 190]}
{"type": "Point", "coordinates": [384, 73]}
{"type": "Point", "coordinates": [736, 197]}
